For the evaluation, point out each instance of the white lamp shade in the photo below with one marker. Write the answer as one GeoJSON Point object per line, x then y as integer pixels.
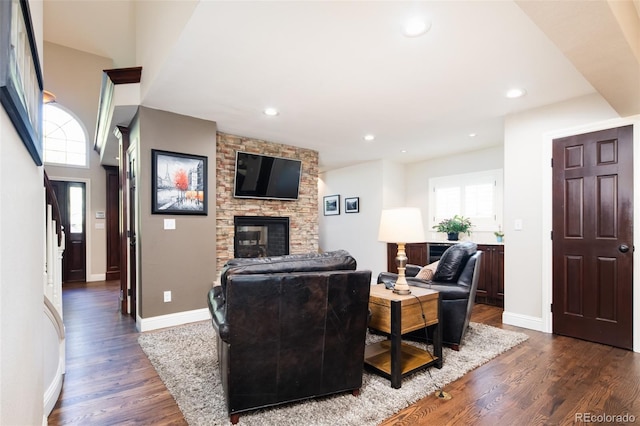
{"type": "Point", "coordinates": [402, 225]}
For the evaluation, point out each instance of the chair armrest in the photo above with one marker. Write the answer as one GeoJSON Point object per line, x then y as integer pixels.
{"type": "Point", "coordinates": [218, 310]}
{"type": "Point", "coordinates": [387, 278]}
{"type": "Point", "coordinates": [412, 270]}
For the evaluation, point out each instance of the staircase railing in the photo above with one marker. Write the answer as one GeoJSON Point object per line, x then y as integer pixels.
{"type": "Point", "coordinates": [54, 327]}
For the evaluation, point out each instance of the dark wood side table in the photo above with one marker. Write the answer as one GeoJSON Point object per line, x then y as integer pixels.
{"type": "Point", "coordinates": [396, 315]}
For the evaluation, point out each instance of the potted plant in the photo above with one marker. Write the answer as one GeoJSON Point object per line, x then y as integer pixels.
{"type": "Point", "coordinates": [454, 226]}
{"type": "Point", "coordinates": [499, 235]}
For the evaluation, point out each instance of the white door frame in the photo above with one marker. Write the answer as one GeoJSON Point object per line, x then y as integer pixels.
{"type": "Point", "coordinates": [87, 216]}
{"type": "Point", "coordinates": [547, 216]}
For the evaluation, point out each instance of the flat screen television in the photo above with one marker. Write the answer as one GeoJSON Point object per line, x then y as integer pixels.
{"type": "Point", "coordinates": [263, 176]}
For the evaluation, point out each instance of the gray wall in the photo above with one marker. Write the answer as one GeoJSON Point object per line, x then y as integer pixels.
{"type": "Point", "coordinates": [75, 77]}
{"type": "Point", "coordinates": [180, 260]}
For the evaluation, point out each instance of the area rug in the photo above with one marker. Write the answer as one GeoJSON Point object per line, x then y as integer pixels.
{"type": "Point", "coordinates": [185, 359]}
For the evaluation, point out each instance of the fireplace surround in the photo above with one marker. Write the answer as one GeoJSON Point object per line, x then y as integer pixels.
{"type": "Point", "coordinates": [260, 236]}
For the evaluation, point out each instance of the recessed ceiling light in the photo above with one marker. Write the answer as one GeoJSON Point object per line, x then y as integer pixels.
{"type": "Point", "coordinates": [415, 27]}
{"type": "Point", "coordinates": [472, 135]}
{"type": "Point", "coordinates": [404, 151]}
{"type": "Point", "coordinates": [516, 93]}
{"type": "Point", "coordinates": [369, 137]}
{"type": "Point", "coordinates": [271, 112]}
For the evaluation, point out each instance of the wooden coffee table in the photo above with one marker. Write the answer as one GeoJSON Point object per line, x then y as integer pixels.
{"type": "Point", "coordinates": [396, 315]}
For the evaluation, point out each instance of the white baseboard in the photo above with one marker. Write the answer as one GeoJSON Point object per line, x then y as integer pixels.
{"type": "Point", "coordinates": [171, 320]}
{"type": "Point", "coordinates": [52, 393]}
{"type": "Point", "coordinates": [97, 277]}
{"type": "Point", "coordinates": [524, 321]}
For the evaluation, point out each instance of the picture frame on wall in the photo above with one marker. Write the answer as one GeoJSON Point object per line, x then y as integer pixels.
{"type": "Point", "coordinates": [20, 75]}
{"type": "Point", "coordinates": [179, 183]}
{"type": "Point", "coordinates": [331, 205]}
{"type": "Point", "coordinates": [352, 205]}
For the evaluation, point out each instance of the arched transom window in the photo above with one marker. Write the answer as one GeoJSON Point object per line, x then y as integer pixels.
{"type": "Point", "coordinates": [65, 139]}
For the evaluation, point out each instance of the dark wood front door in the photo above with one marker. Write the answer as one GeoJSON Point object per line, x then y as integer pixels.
{"type": "Point", "coordinates": [71, 200]}
{"type": "Point", "coordinates": [593, 236]}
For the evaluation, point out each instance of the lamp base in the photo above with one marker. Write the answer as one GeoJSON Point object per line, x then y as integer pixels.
{"type": "Point", "coordinates": [401, 287]}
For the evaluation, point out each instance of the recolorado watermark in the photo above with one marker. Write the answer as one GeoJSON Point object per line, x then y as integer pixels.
{"type": "Point", "coordinates": [604, 418]}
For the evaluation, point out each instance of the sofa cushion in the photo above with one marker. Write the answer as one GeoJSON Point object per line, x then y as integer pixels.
{"type": "Point", "coordinates": [427, 272]}
{"type": "Point", "coordinates": [453, 261]}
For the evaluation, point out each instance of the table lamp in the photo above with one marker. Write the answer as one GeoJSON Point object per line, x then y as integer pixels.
{"type": "Point", "coordinates": [401, 226]}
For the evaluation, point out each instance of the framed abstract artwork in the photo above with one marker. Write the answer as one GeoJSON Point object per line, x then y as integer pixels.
{"type": "Point", "coordinates": [179, 183]}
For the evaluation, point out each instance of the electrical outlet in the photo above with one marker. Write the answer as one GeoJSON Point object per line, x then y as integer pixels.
{"type": "Point", "coordinates": [167, 296]}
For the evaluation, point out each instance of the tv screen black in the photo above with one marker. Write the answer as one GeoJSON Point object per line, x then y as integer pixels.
{"type": "Point", "coordinates": [263, 176]}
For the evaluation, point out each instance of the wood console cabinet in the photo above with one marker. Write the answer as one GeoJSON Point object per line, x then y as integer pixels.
{"type": "Point", "coordinates": [416, 253]}
{"type": "Point", "coordinates": [491, 283]}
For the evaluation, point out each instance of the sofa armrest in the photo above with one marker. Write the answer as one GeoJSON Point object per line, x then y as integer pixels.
{"type": "Point", "coordinates": [218, 310]}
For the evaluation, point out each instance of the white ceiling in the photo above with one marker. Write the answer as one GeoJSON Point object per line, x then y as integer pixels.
{"type": "Point", "coordinates": [336, 70]}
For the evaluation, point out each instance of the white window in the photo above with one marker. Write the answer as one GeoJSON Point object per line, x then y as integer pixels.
{"type": "Point", "coordinates": [64, 138]}
{"type": "Point", "coordinates": [477, 196]}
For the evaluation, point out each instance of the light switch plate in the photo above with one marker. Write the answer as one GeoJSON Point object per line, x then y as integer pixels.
{"type": "Point", "coordinates": [169, 224]}
{"type": "Point", "coordinates": [517, 225]}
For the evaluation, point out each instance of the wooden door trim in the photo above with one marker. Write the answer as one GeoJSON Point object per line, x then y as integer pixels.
{"type": "Point", "coordinates": [546, 324]}
{"type": "Point", "coordinates": [122, 133]}
{"type": "Point", "coordinates": [89, 224]}
{"type": "Point", "coordinates": [113, 257]}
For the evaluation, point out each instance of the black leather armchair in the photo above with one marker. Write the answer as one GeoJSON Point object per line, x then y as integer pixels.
{"type": "Point", "coordinates": [456, 278]}
{"type": "Point", "coordinates": [289, 328]}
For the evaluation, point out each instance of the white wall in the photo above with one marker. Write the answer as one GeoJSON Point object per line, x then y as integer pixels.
{"type": "Point", "coordinates": [22, 261]}
{"type": "Point", "coordinates": [378, 184]}
{"type": "Point", "coordinates": [527, 166]}
{"type": "Point", "coordinates": [384, 184]}
{"type": "Point", "coordinates": [158, 25]}
{"type": "Point", "coordinates": [418, 175]}
{"type": "Point", "coordinates": [22, 247]}
{"type": "Point", "coordinates": [355, 232]}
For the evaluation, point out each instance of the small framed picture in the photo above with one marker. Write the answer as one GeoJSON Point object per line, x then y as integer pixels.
{"type": "Point", "coordinates": [352, 205]}
{"type": "Point", "coordinates": [331, 205]}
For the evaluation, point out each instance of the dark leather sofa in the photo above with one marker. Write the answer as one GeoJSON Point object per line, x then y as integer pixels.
{"type": "Point", "coordinates": [456, 278]}
{"type": "Point", "coordinates": [289, 328]}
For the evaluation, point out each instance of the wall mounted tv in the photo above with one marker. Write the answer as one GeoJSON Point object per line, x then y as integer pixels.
{"type": "Point", "coordinates": [263, 176]}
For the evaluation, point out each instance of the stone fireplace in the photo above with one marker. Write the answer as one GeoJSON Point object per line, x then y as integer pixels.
{"type": "Point", "coordinates": [302, 213]}
{"type": "Point", "coordinates": [260, 236]}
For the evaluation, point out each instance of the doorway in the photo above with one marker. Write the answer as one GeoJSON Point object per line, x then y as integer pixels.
{"type": "Point", "coordinates": [592, 218]}
{"type": "Point", "coordinates": [72, 203]}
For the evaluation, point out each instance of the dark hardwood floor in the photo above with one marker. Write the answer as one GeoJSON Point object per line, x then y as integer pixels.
{"type": "Point", "coordinates": [109, 380]}
{"type": "Point", "coordinates": [546, 380]}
